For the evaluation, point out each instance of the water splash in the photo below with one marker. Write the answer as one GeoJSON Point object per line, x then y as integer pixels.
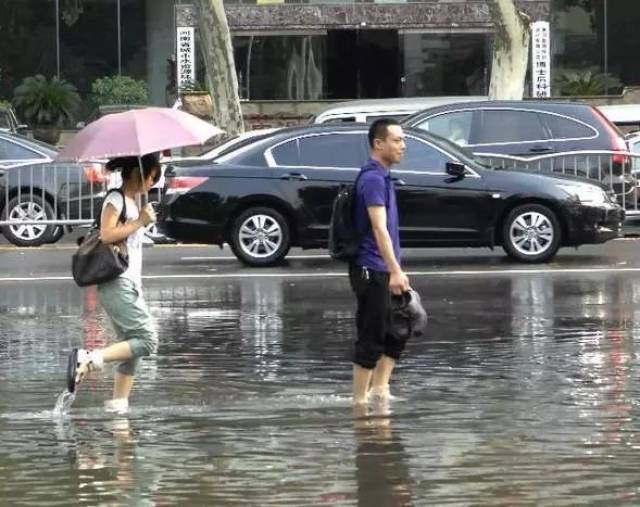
{"type": "Point", "coordinates": [63, 404]}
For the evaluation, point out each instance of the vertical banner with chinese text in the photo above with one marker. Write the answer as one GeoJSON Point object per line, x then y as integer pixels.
{"type": "Point", "coordinates": [541, 59]}
{"type": "Point", "coordinates": [185, 57]}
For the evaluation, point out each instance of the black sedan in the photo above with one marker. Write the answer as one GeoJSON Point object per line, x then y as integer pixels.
{"type": "Point", "coordinates": [277, 192]}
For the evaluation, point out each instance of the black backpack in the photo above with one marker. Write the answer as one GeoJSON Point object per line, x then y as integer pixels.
{"type": "Point", "coordinates": [344, 237]}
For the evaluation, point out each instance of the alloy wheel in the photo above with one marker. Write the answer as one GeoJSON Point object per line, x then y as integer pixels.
{"type": "Point", "coordinates": [260, 236]}
{"type": "Point", "coordinates": [531, 233]}
{"type": "Point", "coordinates": [28, 211]}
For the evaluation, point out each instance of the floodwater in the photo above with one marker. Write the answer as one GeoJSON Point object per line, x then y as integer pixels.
{"type": "Point", "coordinates": [524, 393]}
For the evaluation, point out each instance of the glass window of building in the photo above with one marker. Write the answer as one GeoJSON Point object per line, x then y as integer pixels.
{"type": "Point", "coordinates": [437, 64]}
{"type": "Point", "coordinates": [27, 41]}
{"type": "Point", "coordinates": [280, 67]}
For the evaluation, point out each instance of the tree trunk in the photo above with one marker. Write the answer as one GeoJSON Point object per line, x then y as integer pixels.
{"type": "Point", "coordinates": [510, 51]}
{"type": "Point", "coordinates": [217, 53]}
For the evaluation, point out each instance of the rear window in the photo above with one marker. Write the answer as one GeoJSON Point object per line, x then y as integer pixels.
{"type": "Point", "coordinates": [287, 153]}
{"type": "Point", "coordinates": [333, 150]}
{"type": "Point", "coordinates": [566, 128]}
{"type": "Point", "coordinates": [508, 126]}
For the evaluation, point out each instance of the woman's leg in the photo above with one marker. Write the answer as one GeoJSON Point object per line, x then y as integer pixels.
{"type": "Point", "coordinates": [133, 323]}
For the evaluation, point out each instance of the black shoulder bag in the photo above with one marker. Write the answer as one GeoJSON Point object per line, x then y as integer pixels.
{"type": "Point", "coordinates": [96, 262]}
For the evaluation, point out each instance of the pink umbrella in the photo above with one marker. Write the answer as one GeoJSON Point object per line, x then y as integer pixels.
{"type": "Point", "coordinates": [137, 132]}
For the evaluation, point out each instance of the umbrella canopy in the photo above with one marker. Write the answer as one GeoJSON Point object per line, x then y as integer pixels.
{"type": "Point", "coordinates": [137, 132]}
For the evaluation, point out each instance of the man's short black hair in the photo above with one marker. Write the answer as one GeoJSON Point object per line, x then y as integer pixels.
{"type": "Point", "coordinates": [378, 129]}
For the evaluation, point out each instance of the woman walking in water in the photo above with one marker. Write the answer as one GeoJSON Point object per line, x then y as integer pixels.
{"type": "Point", "coordinates": [122, 298]}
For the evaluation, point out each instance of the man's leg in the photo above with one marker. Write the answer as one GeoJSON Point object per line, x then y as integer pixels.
{"type": "Point", "coordinates": [372, 291]}
{"type": "Point", "coordinates": [381, 376]}
{"type": "Point", "coordinates": [361, 380]}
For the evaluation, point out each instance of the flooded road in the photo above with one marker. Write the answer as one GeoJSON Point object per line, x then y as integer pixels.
{"type": "Point", "coordinates": [524, 392]}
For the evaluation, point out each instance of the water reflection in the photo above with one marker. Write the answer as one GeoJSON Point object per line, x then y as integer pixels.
{"type": "Point", "coordinates": [382, 465]}
{"type": "Point", "coordinates": [523, 391]}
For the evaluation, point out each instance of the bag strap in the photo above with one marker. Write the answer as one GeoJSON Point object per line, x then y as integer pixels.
{"type": "Point", "coordinates": [123, 213]}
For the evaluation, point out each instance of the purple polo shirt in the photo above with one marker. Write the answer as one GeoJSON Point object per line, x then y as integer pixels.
{"type": "Point", "coordinates": [375, 188]}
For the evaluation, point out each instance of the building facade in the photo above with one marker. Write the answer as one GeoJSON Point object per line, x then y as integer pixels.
{"type": "Point", "coordinates": [305, 50]}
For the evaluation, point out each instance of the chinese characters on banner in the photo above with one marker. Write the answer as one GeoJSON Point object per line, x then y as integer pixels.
{"type": "Point", "coordinates": [541, 58]}
{"type": "Point", "coordinates": [185, 56]}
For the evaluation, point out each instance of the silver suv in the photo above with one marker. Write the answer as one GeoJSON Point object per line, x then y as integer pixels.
{"type": "Point", "coordinates": [369, 110]}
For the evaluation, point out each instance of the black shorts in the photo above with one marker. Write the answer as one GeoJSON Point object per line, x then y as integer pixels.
{"type": "Point", "coordinates": [373, 317]}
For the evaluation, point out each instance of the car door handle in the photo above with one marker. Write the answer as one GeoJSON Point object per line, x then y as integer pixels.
{"type": "Point", "coordinates": [399, 182]}
{"type": "Point", "coordinates": [540, 149]}
{"type": "Point", "coordinates": [294, 176]}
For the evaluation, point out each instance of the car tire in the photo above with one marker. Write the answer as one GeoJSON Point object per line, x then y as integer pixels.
{"type": "Point", "coordinates": [260, 237]}
{"type": "Point", "coordinates": [531, 233]}
{"type": "Point", "coordinates": [28, 235]}
{"type": "Point", "coordinates": [57, 233]}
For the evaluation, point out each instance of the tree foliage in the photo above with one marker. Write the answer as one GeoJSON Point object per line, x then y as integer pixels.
{"type": "Point", "coordinates": [46, 102]}
{"type": "Point", "coordinates": [114, 90]}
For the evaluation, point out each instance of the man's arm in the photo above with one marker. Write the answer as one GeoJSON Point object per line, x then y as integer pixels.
{"type": "Point", "coordinates": [398, 281]}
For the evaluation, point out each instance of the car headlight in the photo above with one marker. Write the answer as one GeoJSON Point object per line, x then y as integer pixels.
{"type": "Point", "coordinates": [587, 194]}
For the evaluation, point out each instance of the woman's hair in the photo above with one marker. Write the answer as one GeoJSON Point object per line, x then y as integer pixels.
{"type": "Point", "coordinates": [131, 165]}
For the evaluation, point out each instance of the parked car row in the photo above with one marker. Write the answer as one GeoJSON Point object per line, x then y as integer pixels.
{"type": "Point", "coordinates": [33, 188]}
{"type": "Point", "coordinates": [265, 191]}
{"type": "Point", "coordinates": [277, 192]}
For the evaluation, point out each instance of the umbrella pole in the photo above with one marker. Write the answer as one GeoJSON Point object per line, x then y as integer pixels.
{"type": "Point", "coordinates": [146, 193]}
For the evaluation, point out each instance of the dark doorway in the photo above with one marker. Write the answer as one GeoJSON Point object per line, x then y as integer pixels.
{"type": "Point", "coordinates": [363, 64]}
{"type": "Point", "coordinates": [342, 64]}
{"type": "Point", "coordinates": [378, 63]}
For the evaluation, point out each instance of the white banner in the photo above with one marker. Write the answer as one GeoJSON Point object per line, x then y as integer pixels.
{"type": "Point", "coordinates": [541, 59]}
{"type": "Point", "coordinates": [185, 56]}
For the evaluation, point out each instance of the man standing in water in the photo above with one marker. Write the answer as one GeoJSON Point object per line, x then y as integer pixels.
{"type": "Point", "coordinates": [376, 272]}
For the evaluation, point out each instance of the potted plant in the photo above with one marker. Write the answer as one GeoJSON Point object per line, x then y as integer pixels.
{"type": "Point", "coordinates": [46, 105]}
{"type": "Point", "coordinates": [118, 93]}
{"type": "Point", "coordinates": [586, 84]}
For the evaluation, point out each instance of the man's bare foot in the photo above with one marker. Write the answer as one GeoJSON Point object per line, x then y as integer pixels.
{"type": "Point", "coordinates": [380, 394]}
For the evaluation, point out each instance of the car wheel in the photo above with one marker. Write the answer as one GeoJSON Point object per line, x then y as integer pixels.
{"type": "Point", "coordinates": [531, 233]}
{"type": "Point", "coordinates": [154, 234]}
{"type": "Point", "coordinates": [260, 237]}
{"type": "Point", "coordinates": [58, 232]}
{"type": "Point", "coordinates": [32, 208]}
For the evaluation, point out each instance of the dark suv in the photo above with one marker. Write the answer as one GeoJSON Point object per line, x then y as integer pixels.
{"type": "Point", "coordinates": [521, 128]}
{"type": "Point", "coordinates": [536, 134]}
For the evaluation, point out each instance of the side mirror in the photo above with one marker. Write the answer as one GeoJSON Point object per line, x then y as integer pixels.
{"type": "Point", "coordinates": [456, 170]}
{"type": "Point", "coordinates": [21, 129]}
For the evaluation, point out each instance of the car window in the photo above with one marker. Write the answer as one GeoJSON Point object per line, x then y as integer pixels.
{"type": "Point", "coordinates": [507, 126]}
{"type": "Point", "coordinates": [566, 128]}
{"type": "Point", "coordinates": [287, 153]}
{"type": "Point", "coordinates": [340, 119]}
{"type": "Point", "coordinates": [13, 151]}
{"type": "Point", "coordinates": [422, 157]}
{"type": "Point", "coordinates": [634, 147]}
{"type": "Point", "coordinates": [5, 122]}
{"type": "Point", "coordinates": [455, 126]}
{"type": "Point", "coordinates": [333, 150]}
{"type": "Point", "coordinates": [370, 118]}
